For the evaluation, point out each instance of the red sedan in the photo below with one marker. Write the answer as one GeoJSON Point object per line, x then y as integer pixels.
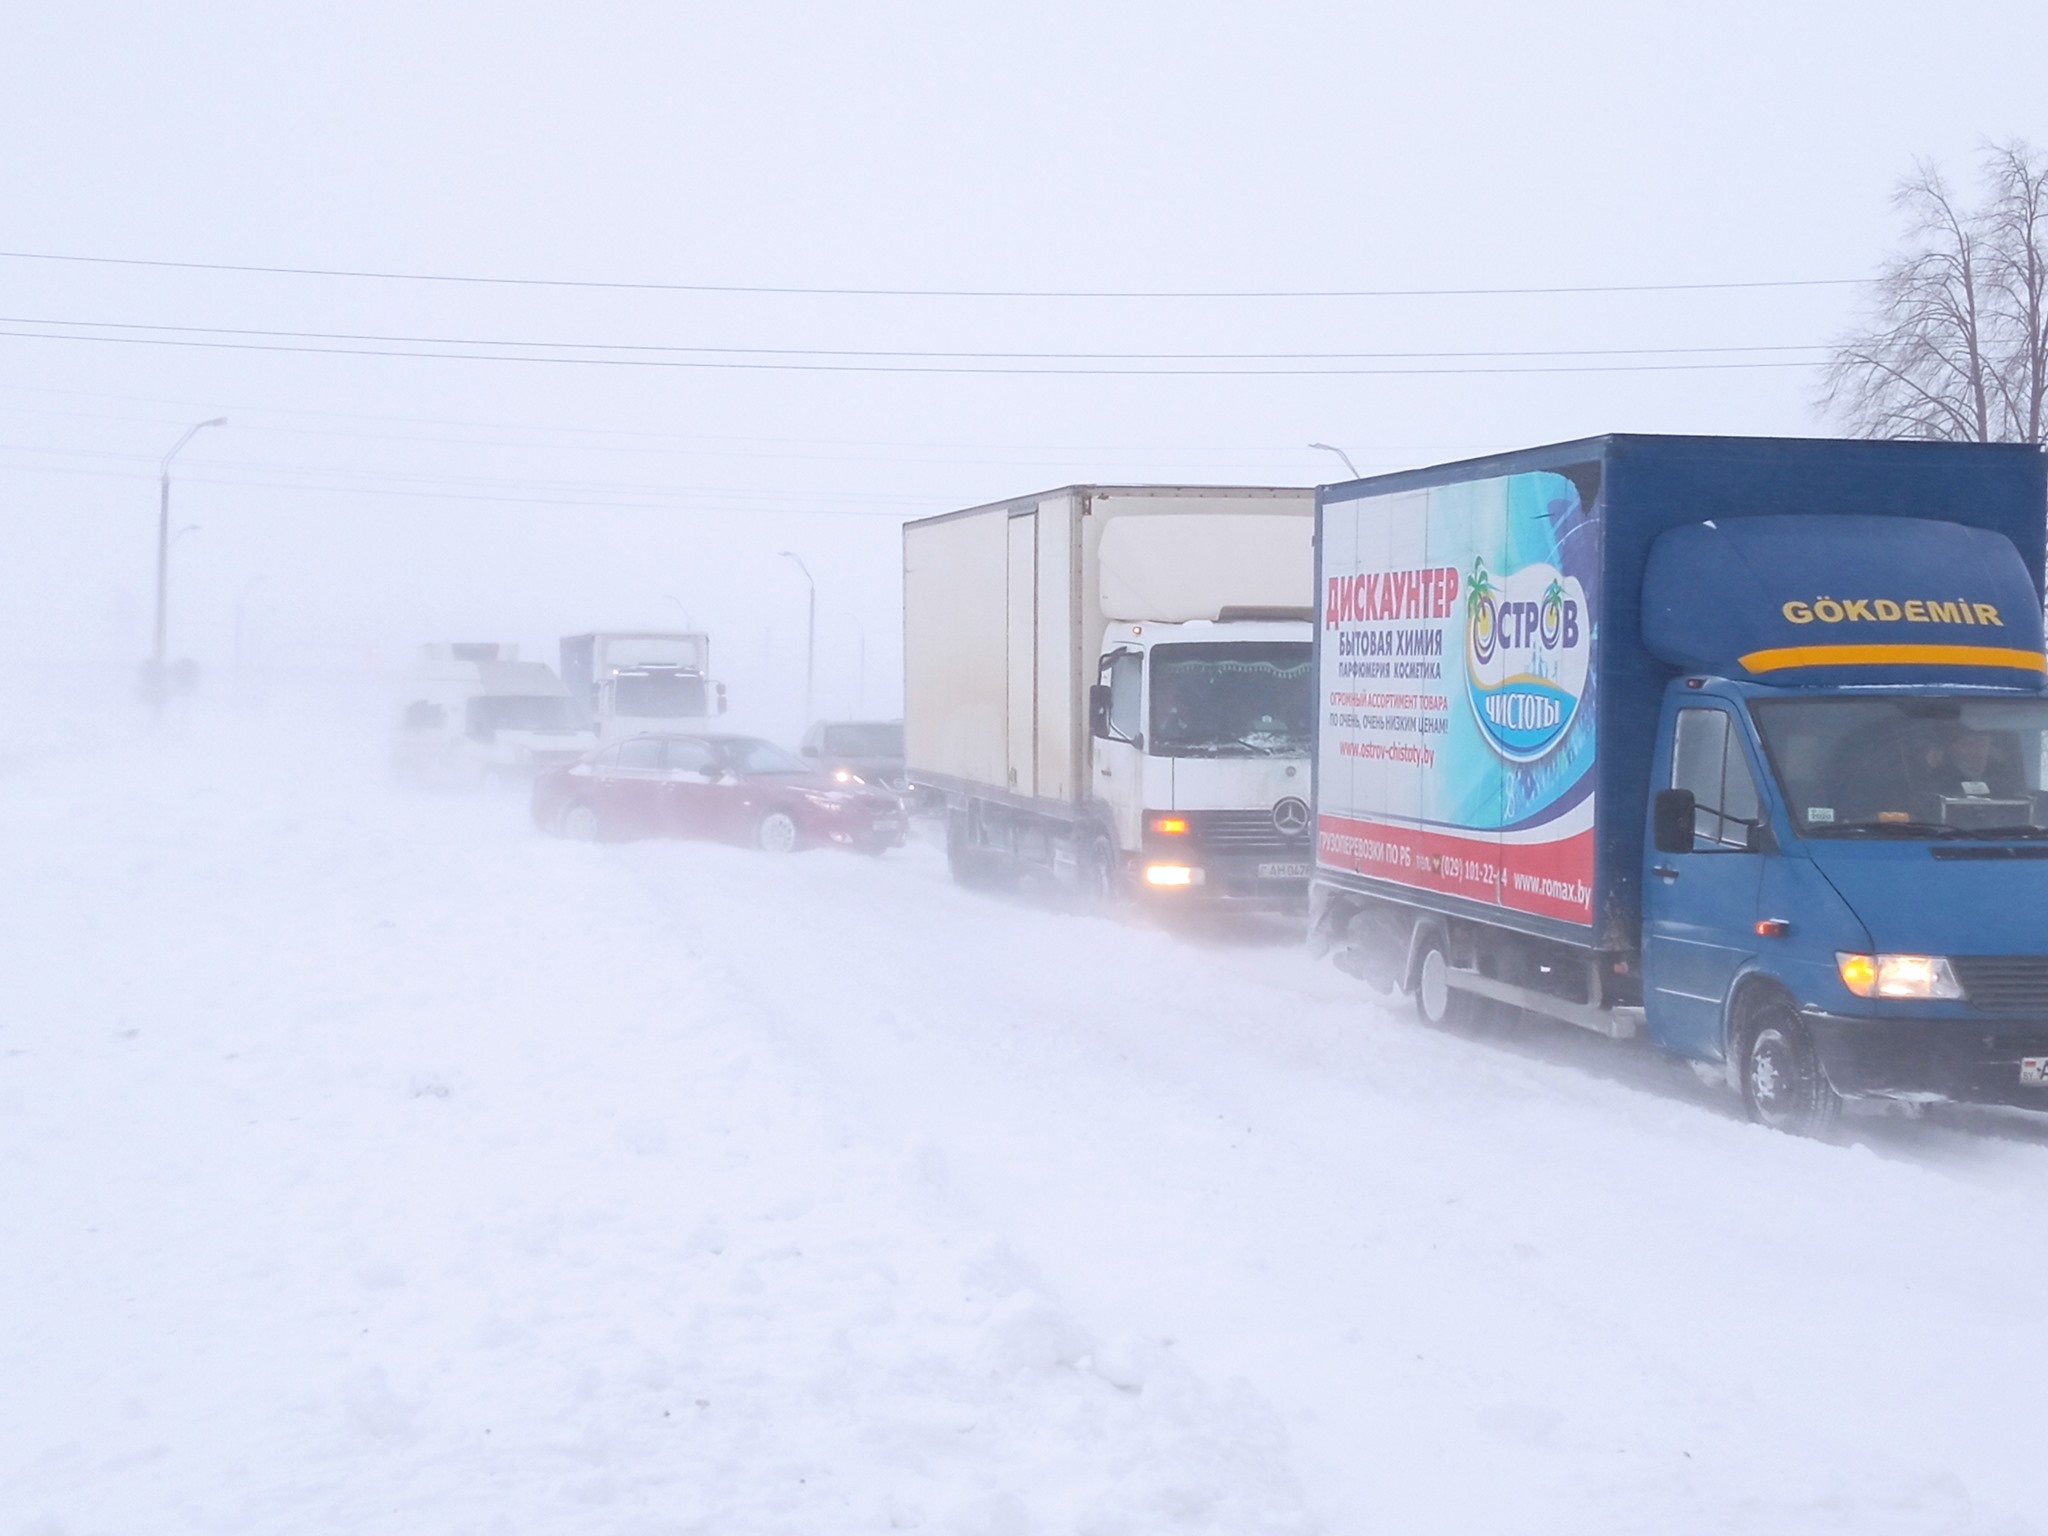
{"type": "Point", "coordinates": [736, 789]}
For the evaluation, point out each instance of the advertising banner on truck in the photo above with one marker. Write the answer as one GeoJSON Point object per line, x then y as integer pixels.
{"type": "Point", "coordinates": [1457, 638]}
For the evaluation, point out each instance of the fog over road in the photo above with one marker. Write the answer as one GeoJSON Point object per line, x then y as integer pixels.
{"type": "Point", "coordinates": [373, 1162]}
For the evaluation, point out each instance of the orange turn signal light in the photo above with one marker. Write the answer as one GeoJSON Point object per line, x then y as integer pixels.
{"type": "Point", "coordinates": [1170, 826]}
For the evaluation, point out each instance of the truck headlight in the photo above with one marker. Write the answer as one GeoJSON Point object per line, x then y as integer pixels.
{"type": "Point", "coordinates": [1170, 876]}
{"type": "Point", "coordinates": [1898, 975]}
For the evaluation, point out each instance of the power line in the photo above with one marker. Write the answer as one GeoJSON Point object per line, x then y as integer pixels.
{"type": "Point", "coordinates": [373, 275]}
{"type": "Point", "coordinates": [900, 508]}
{"type": "Point", "coordinates": [763, 365]}
{"type": "Point", "coordinates": [539, 435]}
{"type": "Point", "coordinates": [884, 354]}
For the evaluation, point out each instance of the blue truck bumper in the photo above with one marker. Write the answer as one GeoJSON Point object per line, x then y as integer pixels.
{"type": "Point", "coordinates": [1968, 1061]}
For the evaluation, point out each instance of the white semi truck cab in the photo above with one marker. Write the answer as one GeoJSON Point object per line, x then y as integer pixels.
{"type": "Point", "coordinates": [1113, 685]}
{"type": "Point", "coordinates": [1200, 734]}
{"type": "Point", "coordinates": [629, 681]}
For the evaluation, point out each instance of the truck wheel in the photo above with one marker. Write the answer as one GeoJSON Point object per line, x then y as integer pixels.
{"type": "Point", "coordinates": [1783, 1085]}
{"type": "Point", "coordinates": [1440, 1005]}
{"type": "Point", "coordinates": [776, 833]}
{"type": "Point", "coordinates": [579, 822]}
{"type": "Point", "coordinates": [1102, 884]}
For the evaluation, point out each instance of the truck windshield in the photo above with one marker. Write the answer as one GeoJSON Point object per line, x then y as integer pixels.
{"type": "Point", "coordinates": [1909, 766]}
{"type": "Point", "coordinates": [518, 712]}
{"type": "Point", "coordinates": [658, 695]}
{"type": "Point", "coordinates": [1232, 699]}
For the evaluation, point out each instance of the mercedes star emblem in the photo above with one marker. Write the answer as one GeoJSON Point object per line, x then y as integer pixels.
{"type": "Point", "coordinates": [1290, 817]}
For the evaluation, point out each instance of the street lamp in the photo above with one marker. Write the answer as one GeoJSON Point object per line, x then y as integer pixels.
{"type": "Point", "coordinates": [810, 634]}
{"type": "Point", "coordinates": [157, 679]}
{"type": "Point", "coordinates": [1327, 448]}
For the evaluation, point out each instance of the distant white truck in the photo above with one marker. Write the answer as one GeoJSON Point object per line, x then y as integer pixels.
{"type": "Point", "coordinates": [629, 681]}
{"type": "Point", "coordinates": [1114, 685]}
{"type": "Point", "coordinates": [475, 714]}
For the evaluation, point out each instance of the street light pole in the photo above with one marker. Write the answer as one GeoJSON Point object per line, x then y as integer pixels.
{"type": "Point", "coordinates": [158, 681]}
{"type": "Point", "coordinates": [1327, 448]}
{"type": "Point", "coordinates": [810, 635]}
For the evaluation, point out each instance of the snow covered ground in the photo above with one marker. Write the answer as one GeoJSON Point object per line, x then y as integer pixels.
{"type": "Point", "coordinates": [369, 1162]}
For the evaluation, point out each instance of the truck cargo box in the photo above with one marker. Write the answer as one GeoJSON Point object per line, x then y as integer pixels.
{"type": "Point", "coordinates": [1486, 699]}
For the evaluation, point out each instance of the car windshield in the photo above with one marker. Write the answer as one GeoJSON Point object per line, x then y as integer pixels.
{"type": "Point", "coordinates": [745, 755]}
{"type": "Point", "coordinates": [520, 712]}
{"type": "Point", "coordinates": [658, 696]}
{"type": "Point", "coordinates": [865, 739]}
{"type": "Point", "coordinates": [1232, 699]}
{"type": "Point", "coordinates": [1909, 766]}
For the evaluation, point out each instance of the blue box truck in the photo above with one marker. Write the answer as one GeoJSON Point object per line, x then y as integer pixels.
{"type": "Point", "coordinates": [1738, 743]}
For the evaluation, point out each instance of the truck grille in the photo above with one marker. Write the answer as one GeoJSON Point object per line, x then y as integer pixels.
{"type": "Point", "coordinates": [2014, 984]}
{"type": "Point", "coordinates": [1243, 832]}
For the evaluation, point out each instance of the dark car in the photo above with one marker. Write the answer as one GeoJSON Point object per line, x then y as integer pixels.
{"type": "Point", "coordinates": [736, 789]}
{"type": "Point", "coordinates": [870, 751]}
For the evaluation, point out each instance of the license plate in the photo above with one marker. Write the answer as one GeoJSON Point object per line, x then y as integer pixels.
{"type": "Point", "coordinates": [1283, 871]}
{"type": "Point", "coordinates": [2034, 1071]}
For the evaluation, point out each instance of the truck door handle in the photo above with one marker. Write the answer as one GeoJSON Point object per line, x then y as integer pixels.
{"type": "Point", "coordinates": [1664, 871]}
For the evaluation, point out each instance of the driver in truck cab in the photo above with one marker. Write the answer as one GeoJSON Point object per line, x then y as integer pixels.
{"type": "Point", "coordinates": [1966, 764]}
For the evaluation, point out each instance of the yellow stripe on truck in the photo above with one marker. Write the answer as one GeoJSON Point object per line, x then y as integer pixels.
{"type": "Point", "coordinates": [1789, 656]}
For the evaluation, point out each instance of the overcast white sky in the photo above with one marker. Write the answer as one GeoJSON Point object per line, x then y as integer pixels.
{"type": "Point", "coordinates": [370, 502]}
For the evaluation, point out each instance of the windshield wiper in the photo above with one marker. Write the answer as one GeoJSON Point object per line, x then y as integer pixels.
{"type": "Point", "coordinates": [1888, 829]}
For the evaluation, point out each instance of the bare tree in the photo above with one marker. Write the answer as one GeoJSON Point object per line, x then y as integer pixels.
{"type": "Point", "coordinates": [1957, 346]}
{"type": "Point", "coordinates": [2018, 270]}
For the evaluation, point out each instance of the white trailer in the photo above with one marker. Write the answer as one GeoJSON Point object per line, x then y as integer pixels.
{"type": "Point", "coordinates": [1113, 685]}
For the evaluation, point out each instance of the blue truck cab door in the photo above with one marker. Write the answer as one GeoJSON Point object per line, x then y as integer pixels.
{"type": "Point", "coordinates": [1700, 906]}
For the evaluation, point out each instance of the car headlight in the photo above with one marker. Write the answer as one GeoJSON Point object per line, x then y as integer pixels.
{"type": "Point", "coordinates": [1925, 976]}
{"type": "Point", "coordinates": [825, 801]}
{"type": "Point", "coordinates": [847, 776]}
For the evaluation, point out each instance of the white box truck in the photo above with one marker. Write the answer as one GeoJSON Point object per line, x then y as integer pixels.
{"type": "Point", "coordinates": [1113, 685]}
{"type": "Point", "coordinates": [629, 681]}
{"type": "Point", "coordinates": [475, 714]}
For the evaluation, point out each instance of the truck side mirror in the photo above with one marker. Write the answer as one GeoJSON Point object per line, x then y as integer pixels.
{"type": "Point", "coordinates": [721, 697]}
{"type": "Point", "coordinates": [1671, 819]}
{"type": "Point", "coordinates": [1098, 712]}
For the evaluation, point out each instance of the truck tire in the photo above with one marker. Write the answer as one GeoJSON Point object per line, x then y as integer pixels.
{"type": "Point", "coordinates": [1437, 1002]}
{"type": "Point", "coordinates": [1783, 1084]}
{"type": "Point", "coordinates": [1102, 883]}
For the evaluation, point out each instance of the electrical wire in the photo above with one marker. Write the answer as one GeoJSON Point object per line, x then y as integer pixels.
{"type": "Point", "coordinates": [783, 365]}
{"type": "Point", "coordinates": [887, 354]}
{"type": "Point", "coordinates": [369, 274]}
